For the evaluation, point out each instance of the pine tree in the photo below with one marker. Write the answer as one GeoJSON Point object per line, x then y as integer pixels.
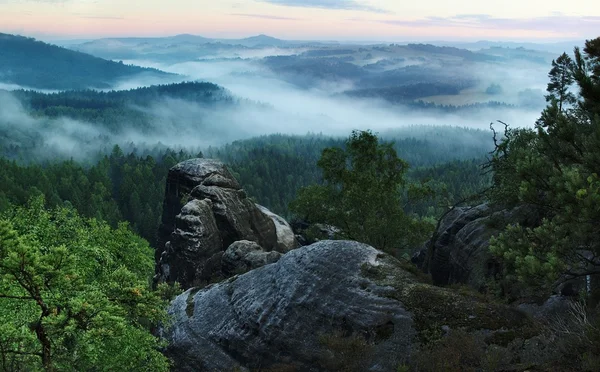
{"type": "Point", "coordinates": [561, 79]}
{"type": "Point", "coordinates": [555, 171]}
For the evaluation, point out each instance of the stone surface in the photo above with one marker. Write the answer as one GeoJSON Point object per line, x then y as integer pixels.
{"type": "Point", "coordinates": [459, 251]}
{"type": "Point", "coordinates": [555, 307]}
{"type": "Point", "coordinates": [243, 256]}
{"type": "Point", "coordinates": [194, 241]}
{"type": "Point", "coordinates": [317, 304]}
{"type": "Point", "coordinates": [286, 239]}
{"type": "Point", "coordinates": [237, 217]}
{"type": "Point", "coordinates": [205, 211]}
{"type": "Point", "coordinates": [182, 178]}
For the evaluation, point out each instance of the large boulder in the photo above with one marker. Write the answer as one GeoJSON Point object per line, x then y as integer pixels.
{"type": "Point", "coordinates": [331, 306]}
{"type": "Point", "coordinates": [204, 212]}
{"type": "Point", "coordinates": [182, 178]}
{"type": "Point", "coordinates": [459, 250]}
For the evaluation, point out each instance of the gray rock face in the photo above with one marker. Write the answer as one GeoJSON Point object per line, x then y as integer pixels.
{"type": "Point", "coordinates": [554, 307]}
{"type": "Point", "coordinates": [294, 313]}
{"type": "Point", "coordinates": [182, 178]}
{"type": "Point", "coordinates": [216, 214]}
{"type": "Point", "coordinates": [237, 217]}
{"type": "Point", "coordinates": [286, 240]}
{"type": "Point", "coordinates": [195, 240]}
{"type": "Point", "coordinates": [459, 252]}
{"type": "Point", "coordinates": [331, 306]}
{"type": "Point", "coordinates": [243, 256]}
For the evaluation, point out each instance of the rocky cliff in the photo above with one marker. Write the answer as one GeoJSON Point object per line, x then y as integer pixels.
{"type": "Point", "coordinates": [458, 252]}
{"type": "Point", "coordinates": [331, 306]}
{"type": "Point", "coordinates": [204, 212]}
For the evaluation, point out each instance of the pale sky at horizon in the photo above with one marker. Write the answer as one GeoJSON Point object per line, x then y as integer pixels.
{"type": "Point", "coordinates": [385, 20]}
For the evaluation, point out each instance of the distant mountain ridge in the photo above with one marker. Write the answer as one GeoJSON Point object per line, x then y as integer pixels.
{"type": "Point", "coordinates": [34, 64]}
{"type": "Point", "coordinates": [253, 41]}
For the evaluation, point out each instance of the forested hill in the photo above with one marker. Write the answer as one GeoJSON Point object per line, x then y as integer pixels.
{"type": "Point", "coordinates": [35, 126]}
{"type": "Point", "coordinates": [35, 64]}
{"type": "Point", "coordinates": [92, 104]}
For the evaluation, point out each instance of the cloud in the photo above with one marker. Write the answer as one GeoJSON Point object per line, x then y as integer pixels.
{"type": "Point", "coordinates": [328, 4]}
{"type": "Point", "coordinates": [265, 16]}
{"type": "Point", "coordinates": [584, 26]}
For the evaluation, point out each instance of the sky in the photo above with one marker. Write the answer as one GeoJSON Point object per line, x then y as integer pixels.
{"type": "Point", "coordinates": [344, 20]}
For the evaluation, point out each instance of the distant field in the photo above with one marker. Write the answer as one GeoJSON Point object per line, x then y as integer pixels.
{"type": "Point", "coordinates": [466, 97]}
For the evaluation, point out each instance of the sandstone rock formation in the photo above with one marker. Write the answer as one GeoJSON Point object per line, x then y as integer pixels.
{"type": "Point", "coordinates": [459, 251]}
{"type": "Point", "coordinates": [331, 306]}
{"type": "Point", "coordinates": [205, 211]}
{"type": "Point", "coordinates": [243, 256]}
{"type": "Point", "coordinates": [286, 239]}
{"type": "Point", "coordinates": [195, 240]}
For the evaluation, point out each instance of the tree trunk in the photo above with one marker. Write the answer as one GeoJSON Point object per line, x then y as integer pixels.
{"type": "Point", "coordinates": [46, 347]}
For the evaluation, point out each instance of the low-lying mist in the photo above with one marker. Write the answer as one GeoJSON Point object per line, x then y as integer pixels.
{"type": "Point", "coordinates": [289, 109]}
{"type": "Point", "coordinates": [266, 103]}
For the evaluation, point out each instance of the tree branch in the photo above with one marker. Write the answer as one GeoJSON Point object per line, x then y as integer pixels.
{"type": "Point", "coordinates": [17, 297]}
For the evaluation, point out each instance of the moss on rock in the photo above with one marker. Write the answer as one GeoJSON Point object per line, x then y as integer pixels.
{"type": "Point", "coordinates": [434, 307]}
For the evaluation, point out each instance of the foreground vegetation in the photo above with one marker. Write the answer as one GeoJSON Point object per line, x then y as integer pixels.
{"type": "Point", "coordinates": [75, 294]}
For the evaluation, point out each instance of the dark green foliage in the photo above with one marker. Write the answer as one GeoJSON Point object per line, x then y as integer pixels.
{"type": "Point", "coordinates": [273, 168]}
{"type": "Point", "coordinates": [407, 93]}
{"type": "Point", "coordinates": [118, 110]}
{"type": "Point", "coordinates": [129, 183]}
{"type": "Point", "coordinates": [41, 128]}
{"type": "Point", "coordinates": [469, 108]}
{"type": "Point", "coordinates": [197, 92]}
{"type": "Point", "coordinates": [449, 183]}
{"type": "Point", "coordinates": [119, 187]}
{"type": "Point", "coordinates": [561, 79]}
{"type": "Point", "coordinates": [555, 170]}
{"type": "Point", "coordinates": [362, 195]}
{"type": "Point", "coordinates": [35, 64]}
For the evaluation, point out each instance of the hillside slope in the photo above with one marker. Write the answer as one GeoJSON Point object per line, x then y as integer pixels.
{"type": "Point", "coordinates": [35, 64]}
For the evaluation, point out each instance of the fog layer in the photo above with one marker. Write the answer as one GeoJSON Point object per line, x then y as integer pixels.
{"type": "Point", "coordinates": [271, 97]}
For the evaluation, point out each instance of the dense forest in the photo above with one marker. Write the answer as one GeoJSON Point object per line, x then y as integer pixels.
{"type": "Point", "coordinates": [129, 184]}
{"type": "Point", "coordinates": [117, 110]}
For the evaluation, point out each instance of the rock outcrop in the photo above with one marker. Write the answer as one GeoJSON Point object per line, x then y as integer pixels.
{"type": "Point", "coordinates": [243, 256]}
{"type": "Point", "coordinates": [334, 305]}
{"type": "Point", "coordinates": [286, 239]}
{"type": "Point", "coordinates": [205, 211]}
{"type": "Point", "coordinates": [195, 240]}
{"type": "Point", "coordinates": [459, 251]}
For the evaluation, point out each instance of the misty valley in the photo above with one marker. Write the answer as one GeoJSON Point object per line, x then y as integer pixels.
{"type": "Point", "coordinates": [215, 204]}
